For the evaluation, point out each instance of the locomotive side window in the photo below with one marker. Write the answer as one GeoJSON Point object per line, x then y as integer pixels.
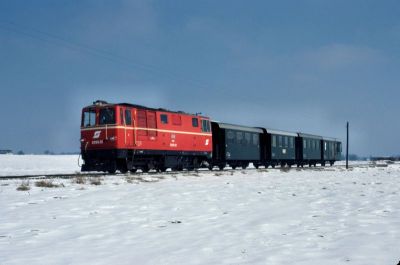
{"type": "Point", "coordinates": [128, 117]}
{"type": "Point", "coordinates": [205, 126]}
{"type": "Point", "coordinates": [273, 140]}
{"type": "Point", "coordinates": [195, 122]}
{"type": "Point", "coordinates": [121, 116]}
{"type": "Point", "coordinates": [89, 118]}
{"type": "Point", "coordinates": [164, 118]}
{"type": "Point", "coordinates": [107, 116]}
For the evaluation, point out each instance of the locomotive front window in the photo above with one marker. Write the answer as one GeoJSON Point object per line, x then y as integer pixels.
{"type": "Point", "coordinates": [107, 116]}
{"type": "Point", "coordinates": [89, 118]}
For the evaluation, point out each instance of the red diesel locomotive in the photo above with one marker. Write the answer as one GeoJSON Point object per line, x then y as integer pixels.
{"type": "Point", "coordinates": [129, 137]}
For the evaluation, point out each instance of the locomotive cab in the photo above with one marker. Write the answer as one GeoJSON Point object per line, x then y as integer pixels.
{"type": "Point", "coordinates": [98, 135]}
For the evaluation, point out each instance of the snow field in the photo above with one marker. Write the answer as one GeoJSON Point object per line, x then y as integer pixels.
{"type": "Point", "coordinates": [311, 216]}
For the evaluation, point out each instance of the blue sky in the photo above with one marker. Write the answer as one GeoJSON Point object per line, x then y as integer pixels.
{"type": "Point", "coordinates": [295, 65]}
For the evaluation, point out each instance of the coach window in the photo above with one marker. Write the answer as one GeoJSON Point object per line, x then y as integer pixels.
{"type": "Point", "coordinates": [164, 118]}
{"type": "Point", "coordinates": [286, 142]}
{"type": "Point", "coordinates": [255, 139]}
{"type": "Point", "coordinates": [247, 138]}
{"type": "Point", "coordinates": [89, 118]}
{"type": "Point", "coordinates": [128, 117]}
{"type": "Point", "coordinates": [304, 144]}
{"type": "Point", "coordinates": [239, 137]}
{"type": "Point", "coordinates": [291, 139]}
{"type": "Point", "coordinates": [195, 122]}
{"type": "Point", "coordinates": [230, 135]}
{"type": "Point", "coordinates": [280, 142]}
{"type": "Point", "coordinates": [273, 140]}
{"type": "Point", "coordinates": [107, 116]}
{"type": "Point", "coordinates": [205, 126]}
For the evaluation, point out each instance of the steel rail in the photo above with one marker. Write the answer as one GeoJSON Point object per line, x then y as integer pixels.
{"type": "Point", "coordinates": [155, 173]}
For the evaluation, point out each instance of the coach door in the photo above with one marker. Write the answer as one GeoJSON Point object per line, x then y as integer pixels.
{"type": "Point", "coordinates": [128, 131]}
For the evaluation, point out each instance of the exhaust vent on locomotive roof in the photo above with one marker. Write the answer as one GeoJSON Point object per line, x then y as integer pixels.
{"type": "Point", "coordinates": [100, 102]}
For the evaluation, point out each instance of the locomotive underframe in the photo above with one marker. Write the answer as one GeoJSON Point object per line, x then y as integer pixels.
{"type": "Point", "coordinates": [132, 160]}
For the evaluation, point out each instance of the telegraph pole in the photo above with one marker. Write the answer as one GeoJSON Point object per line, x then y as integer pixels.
{"type": "Point", "coordinates": [347, 146]}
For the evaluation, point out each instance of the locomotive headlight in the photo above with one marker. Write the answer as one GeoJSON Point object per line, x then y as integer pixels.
{"type": "Point", "coordinates": [113, 138]}
{"type": "Point", "coordinates": [82, 140]}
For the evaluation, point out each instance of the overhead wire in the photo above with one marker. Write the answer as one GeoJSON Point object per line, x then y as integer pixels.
{"type": "Point", "coordinates": [53, 39]}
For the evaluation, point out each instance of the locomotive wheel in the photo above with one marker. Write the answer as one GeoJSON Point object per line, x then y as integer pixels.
{"type": "Point", "coordinates": [221, 167]}
{"type": "Point", "coordinates": [210, 167]}
{"type": "Point", "coordinates": [133, 170]}
{"type": "Point", "coordinates": [145, 169]}
{"type": "Point", "coordinates": [113, 168]}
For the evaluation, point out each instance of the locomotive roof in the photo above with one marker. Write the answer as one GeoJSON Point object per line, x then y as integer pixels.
{"type": "Point", "coordinates": [238, 127]}
{"type": "Point", "coordinates": [106, 104]}
{"type": "Point", "coordinates": [271, 131]}
{"type": "Point", "coordinates": [306, 135]}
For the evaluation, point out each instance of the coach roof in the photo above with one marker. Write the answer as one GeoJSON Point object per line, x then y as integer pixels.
{"type": "Point", "coordinates": [278, 132]}
{"type": "Point", "coordinates": [238, 127]}
{"type": "Point", "coordinates": [306, 135]}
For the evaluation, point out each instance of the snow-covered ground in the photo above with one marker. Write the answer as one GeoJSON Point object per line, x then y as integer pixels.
{"type": "Point", "coordinates": [310, 216]}
{"type": "Point", "coordinates": [38, 164]}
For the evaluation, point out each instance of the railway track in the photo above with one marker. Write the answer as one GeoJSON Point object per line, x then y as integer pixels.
{"type": "Point", "coordinates": [154, 173]}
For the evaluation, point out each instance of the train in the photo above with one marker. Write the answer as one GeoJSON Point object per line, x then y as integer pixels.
{"type": "Point", "coordinates": [127, 137]}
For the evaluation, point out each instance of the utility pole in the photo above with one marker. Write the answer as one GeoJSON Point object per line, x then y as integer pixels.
{"type": "Point", "coordinates": [347, 146]}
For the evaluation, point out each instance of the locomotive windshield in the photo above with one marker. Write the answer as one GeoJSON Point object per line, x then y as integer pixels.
{"type": "Point", "coordinates": [89, 118]}
{"type": "Point", "coordinates": [107, 116]}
